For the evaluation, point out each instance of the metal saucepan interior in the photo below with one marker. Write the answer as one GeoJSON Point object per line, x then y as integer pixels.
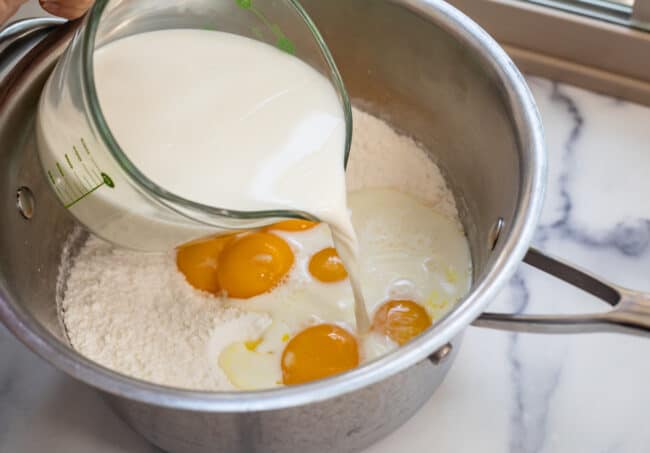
{"type": "Point", "coordinates": [431, 73]}
{"type": "Point", "coordinates": [438, 92]}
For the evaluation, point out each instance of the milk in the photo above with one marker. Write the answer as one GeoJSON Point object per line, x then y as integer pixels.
{"type": "Point", "coordinates": [229, 122]}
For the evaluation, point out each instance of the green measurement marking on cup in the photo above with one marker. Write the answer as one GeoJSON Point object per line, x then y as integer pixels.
{"type": "Point", "coordinates": [77, 176]}
{"type": "Point", "coordinates": [282, 42]}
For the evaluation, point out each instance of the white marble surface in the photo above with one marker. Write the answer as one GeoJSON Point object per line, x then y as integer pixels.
{"type": "Point", "coordinates": [516, 393]}
{"type": "Point", "coordinates": [524, 393]}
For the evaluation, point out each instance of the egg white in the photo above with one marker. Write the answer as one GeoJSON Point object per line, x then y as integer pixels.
{"type": "Point", "coordinates": [407, 251]}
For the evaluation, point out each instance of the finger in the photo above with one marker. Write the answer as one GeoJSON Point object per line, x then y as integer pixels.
{"type": "Point", "coordinates": [70, 9]}
{"type": "Point", "coordinates": [8, 8]}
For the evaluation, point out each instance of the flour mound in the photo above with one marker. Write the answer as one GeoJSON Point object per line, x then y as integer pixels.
{"type": "Point", "coordinates": [135, 313]}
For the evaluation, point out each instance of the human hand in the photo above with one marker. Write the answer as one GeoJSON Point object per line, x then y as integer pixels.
{"type": "Point", "coordinates": [70, 9]}
{"type": "Point", "coordinates": [8, 8]}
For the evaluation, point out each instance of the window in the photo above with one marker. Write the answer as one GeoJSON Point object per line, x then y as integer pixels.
{"type": "Point", "coordinates": [632, 13]}
{"type": "Point", "coordinates": [602, 45]}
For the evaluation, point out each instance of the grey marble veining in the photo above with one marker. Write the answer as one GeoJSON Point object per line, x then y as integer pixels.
{"type": "Point", "coordinates": [507, 392]}
{"type": "Point", "coordinates": [516, 393]}
{"type": "Point", "coordinates": [584, 393]}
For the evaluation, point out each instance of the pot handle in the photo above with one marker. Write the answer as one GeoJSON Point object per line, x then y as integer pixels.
{"type": "Point", "coordinates": [22, 29]}
{"type": "Point", "coordinates": [25, 27]}
{"type": "Point", "coordinates": [630, 311]}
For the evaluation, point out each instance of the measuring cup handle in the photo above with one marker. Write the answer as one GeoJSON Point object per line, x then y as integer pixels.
{"type": "Point", "coordinates": [630, 311]}
{"type": "Point", "coordinates": [21, 29]}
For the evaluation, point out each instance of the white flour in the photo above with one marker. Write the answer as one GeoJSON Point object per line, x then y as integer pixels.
{"type": "Point", "coordinates": [136, 314]}
{"type": "Point", "coordinates": [380, 157]}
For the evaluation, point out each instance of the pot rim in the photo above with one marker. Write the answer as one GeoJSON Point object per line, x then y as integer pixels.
{"type": "Point", "coordinates": [533, 171]}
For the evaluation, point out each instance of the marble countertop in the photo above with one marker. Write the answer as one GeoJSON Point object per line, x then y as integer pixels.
{"type": "Point", "coordinates": [517, 393]}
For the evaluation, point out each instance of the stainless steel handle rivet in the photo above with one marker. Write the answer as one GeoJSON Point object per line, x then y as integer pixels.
{"type": "Point", "coordinates": [441, 354]}
{"type": "Point", "coordinates": [25, 202]}
{"type": "Point", "coordinates": [495, 232]}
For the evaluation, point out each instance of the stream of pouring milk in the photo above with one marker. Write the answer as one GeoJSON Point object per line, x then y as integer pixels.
{"type": "Point", "coordinates": [231, 122]}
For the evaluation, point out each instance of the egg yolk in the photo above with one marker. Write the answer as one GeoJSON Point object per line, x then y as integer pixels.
{"type": "Point", "coordinates": [401, 320]}
{"type": "Point", "coordinates": [318, 352]}
{"type": "Point", "coordinates": [198, 260]}
{"type": "Point", "coordinates": [292, 225]}
{"type": "Point", "coordinates": [326, 266]}
{"type": "Point", "coordinates": [253, 264]}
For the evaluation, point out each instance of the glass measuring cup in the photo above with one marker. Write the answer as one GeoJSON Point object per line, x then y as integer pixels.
{"type": "Point", "coordinates": [93, 176]}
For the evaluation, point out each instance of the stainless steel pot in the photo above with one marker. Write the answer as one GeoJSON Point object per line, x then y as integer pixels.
{"type": "Point", "coordinates": [433, 74]}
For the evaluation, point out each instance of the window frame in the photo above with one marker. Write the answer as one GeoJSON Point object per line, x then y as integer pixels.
{"type": "Point", "coordinates": [586, 51]}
